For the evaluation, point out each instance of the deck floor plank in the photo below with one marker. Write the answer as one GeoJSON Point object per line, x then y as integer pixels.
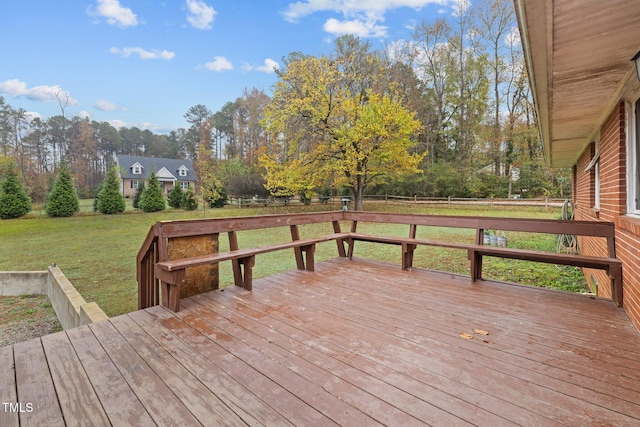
{"type": "Point", "coordinates": [480, 351]}
{"type": "Point", "coordinates": [35, 386]}
{"type": "Point", "coordinates": [201, 401]}
{"type": "Point", "coordinates": [119, 401]}
{"type": "Point", "coordinates": [164, 407]}
{"type": "Point", "coordinates": [79, 403]}
{"type": "Point", "coordinates": [247, 346]}
{"type": "Point", "coordinates": [542, 384]}
{"type": "Point", "coordinates": [240, 399]}
{"type": "Point", "coordinates": [487, 350]}
{"type": "Point", "coordinates": [440, 319]}
{"type": "Point", "coordinates": [441, 371]}
{"type": "Point", "coordinates": [357, 342]}
{"type": "Point", "coordinates": [339, 379]}
{"type": "Point", "coordinates": [282, 400]}
{"type": "Point", "coordinates": [536, 331]}
{"type": "Point", "coordinates": [417, 399]}
{"type": "Point", "coordinates": [8, 395]}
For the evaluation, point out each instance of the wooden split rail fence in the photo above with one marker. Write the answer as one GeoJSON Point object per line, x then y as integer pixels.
{"type": "Point", "coordinates": [160, 279]}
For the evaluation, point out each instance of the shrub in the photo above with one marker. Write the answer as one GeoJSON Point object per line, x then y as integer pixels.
{"type": "Point", "coordinates": [324, 194]}
{"type": "Point", "coordinates": [62, 200]}
{"type": "Point", "coordinates": [176, 196]}
{"type": "Point", "coordinates": [110, 199]}
{"type": "Point", "coordinates": [220, 199]}
{"type": "Point", "coordinates": [136, 197]}
{"type": "Point", "coordinates": [190, 202]}
{"type": "Point", "coordinates": [14, 201]}
{"type": "Point", "coordinates": [304, 199]}
{"type": "Point", "coordinates": [151, 199]}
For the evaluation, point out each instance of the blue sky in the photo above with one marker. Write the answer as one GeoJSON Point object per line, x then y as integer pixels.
{"type": "Point", "coordinates": [144, 63]}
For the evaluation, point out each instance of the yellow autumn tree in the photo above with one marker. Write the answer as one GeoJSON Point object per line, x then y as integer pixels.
{"type": "Point", "coordinates": [337, 120]}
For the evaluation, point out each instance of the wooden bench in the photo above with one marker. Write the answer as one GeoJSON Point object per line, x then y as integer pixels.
{"type": "Point", "coordinates": [172, 273]}
{"type": "Point", "coordinates": [157, 275]}
{"type": "Point", "coordinates": [613, 266]}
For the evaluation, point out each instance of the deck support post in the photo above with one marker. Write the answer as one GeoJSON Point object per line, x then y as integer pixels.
{"type": "Point", "coordinates": [170, 287]}
{"type": "Point", "coordinates": [309, 252]}
{"type": "Point", "coordinates": [351, 241]}
{"type": "Point", "coordinates": [475, 258]}
{"type": "Point", "coordinates": [245, 278]}
{"type": "Point", "coordinates": [407, 255]}
{"type": "Point", "coordinates": [336, 229]}
{"type": "Point", "coordinates": [615, 274]}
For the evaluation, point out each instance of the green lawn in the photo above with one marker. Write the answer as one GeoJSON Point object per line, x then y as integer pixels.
{"type": "Point", "coordinates": [97, 252]}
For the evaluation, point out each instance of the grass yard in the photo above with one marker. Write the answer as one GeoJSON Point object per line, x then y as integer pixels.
{"type": "Point", "coordinates": [97, 252]}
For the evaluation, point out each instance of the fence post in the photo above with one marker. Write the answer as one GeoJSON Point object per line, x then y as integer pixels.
{"type": "Point", "coordinates": [449, 202]}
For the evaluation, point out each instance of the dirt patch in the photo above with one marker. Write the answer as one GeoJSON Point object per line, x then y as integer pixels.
{"type": "Point", "coordinates": [26, 317]}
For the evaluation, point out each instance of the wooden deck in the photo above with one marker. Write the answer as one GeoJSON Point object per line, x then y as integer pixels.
{"type": "Point", "coordinates": [355, 343]}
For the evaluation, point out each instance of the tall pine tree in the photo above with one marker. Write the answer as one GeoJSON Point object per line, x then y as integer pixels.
{"type": "Point", "coordinates": [176, 196]}
{"type": "Point", "coordinates": [110, 199]}
{"type": "Point", "coordinates": [62, 200]}
{"type": "Point", "coordinates": [152, 199]}
{"type": "Point", "coordinates": [14, 201]}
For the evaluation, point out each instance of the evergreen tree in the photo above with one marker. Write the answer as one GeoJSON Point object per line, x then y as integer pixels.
{"type": "Point", "coordinates": [136, 197]}
{"type": "Point", "coordinates": [62, 200]}
{"type": "Point", "coordinates": [110, 199]}
{"type": "Point", "coordinates": [14, 201]}
{"type": "Point", "coordinates": [176, 196]}
{"type": "Point", "coordinates": [190, 203]}
{"type": "Point", "coordinates": [152, 199]}
{"type": "Point", "coordinates": [218, 198]}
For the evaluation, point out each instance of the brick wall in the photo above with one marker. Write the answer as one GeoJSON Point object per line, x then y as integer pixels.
{"type": "Point", "coordinates": [612, 208]}
{"type": "Point", "coordinates": [584, 199]}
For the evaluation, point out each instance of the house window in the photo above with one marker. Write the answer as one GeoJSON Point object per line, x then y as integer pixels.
{"type": "Point", "coordinates": [633, 158]}
{"type": "Point", "coordinates": [135, 184]}
{"type": "Point", "coordinates": [594, 169]}
{"type": "Point", "coordinates": [136, 169]}
{"type": "Point", "coordinates": [184, 185]}
{"type": "Point", "coordinates": [182, 171]}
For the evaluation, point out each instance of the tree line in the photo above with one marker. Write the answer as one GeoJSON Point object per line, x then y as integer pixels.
{"type": "Point", "coordinates": [451, 107]}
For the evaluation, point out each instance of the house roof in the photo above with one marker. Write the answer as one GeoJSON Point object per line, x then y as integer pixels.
{"type": "Point", "coordinates": [166, 169]}
{"type": "Point", "coordinates": [578, 53]}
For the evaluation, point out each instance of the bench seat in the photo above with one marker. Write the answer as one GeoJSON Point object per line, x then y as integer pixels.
{"type": "Point", "coordinates": [613, 266]}
{"type": "Point", "coordinates": [171, 273]}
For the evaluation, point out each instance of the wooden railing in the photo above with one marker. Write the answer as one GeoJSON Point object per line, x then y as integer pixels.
{"type": "Point", "coordinates": [158, 276]}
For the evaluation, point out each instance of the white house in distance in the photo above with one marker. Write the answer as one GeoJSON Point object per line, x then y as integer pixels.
{"type": "Point", "coordinates": [136, 170]}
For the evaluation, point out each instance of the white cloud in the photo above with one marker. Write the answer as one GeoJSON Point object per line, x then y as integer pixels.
{"type": "Point", "coordinates": [33, 115]}
{"type": "Point", "coordinates": [83, 115]}
{"type": "Point", "coordinates": [513, 38]}
{"type": "Point", "coordinates": [269, 66]}
{"type": "Point", "coordinates": [143, 53]}
{"type": "Point", "coordinates": [104, 105]}
{"type": "Point", "coordinates": [219, 63]}
{"type": "Point", "coordinates": [357, 27]}
{"type": "Point", "coordinates": [360, 17]}
{"type": "Point", "coordinates": [115, 13]}
{"type": "Point", "coordinates": [118, 124]}
{"type": "Point", "coordinates": [200, 14]}
{"type": "Point", "coordinates": [17, 88]}
{"type": "Point", "coordinates": [460, 7]}
{"type": "Point", "coordinates": [156, 128]}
